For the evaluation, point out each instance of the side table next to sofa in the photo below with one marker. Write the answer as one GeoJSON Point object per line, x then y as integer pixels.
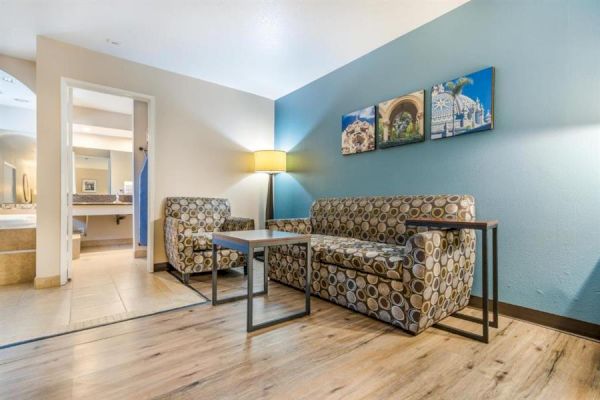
{"type": "Point", "coordinates": [483, 227]}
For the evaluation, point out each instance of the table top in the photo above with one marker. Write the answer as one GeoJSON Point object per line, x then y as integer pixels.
{"type": "Point", "coordinates": [444, 223]}
{"type": "Point", "coordinates": [259, 237]}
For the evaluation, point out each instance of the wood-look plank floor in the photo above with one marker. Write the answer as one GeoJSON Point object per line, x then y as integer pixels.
{"type": "Point", "coordinates": [204, 352]}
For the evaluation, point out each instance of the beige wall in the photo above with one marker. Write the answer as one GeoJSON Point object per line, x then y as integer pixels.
{"type": "Point", "coordinates": [204, 135]}
{"type": "Point", "coordinates": [104, 227]}
{"type": "Point", "coordinates": [106, 119]}
{"type": "Point", "coordinates": [91, 141]}
{"type": "Point", "coordinates": [99, 175]}
{"type": "Point", "coordinates": [23, 70]}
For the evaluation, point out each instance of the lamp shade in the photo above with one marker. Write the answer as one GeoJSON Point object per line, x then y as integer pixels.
{"type": "Point", "coordinates": [270, 161]}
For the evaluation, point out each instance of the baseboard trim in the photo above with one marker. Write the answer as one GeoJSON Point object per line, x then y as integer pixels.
{"type": "Point", "coordinates": [566, 324]}
{"type": "Point", "coordinates": [161, 266]}
{"type": "Point", "coordinates": [44, 282]}
{"type": "Point", "coordinates": [106, 242]}
{"type": "Point", "coordinates": [140, 253]}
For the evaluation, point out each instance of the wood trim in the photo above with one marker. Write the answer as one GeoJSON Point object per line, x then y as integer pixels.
{"type": "Point", "coordinates": [140, 253]}
{"type": "Point", "coordinates": [164, 266]}
{"type": "Point", "coordinates": [44, 282]}
{"type": "Point", "coordinates": [106, 242]}
{"type": "Point", "coordinates": [444, 223]}
{"type": "Point", "coordinates": [566, 324]}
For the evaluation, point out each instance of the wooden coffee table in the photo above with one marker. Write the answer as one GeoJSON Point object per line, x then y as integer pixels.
{"type": "Point", "coordinates": [245, 242]}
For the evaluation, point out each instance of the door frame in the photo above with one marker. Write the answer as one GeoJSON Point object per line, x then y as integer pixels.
{"type": "Point", "coordinates": [66, 201]}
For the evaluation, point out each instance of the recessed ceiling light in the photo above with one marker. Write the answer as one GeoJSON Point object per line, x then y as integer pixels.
{"type": "Point", "coordinates": [113, 42]}
{"type": "Point", "coordinates": [21, 100]}
{"type": "Point", "coordinates": [8, 79]}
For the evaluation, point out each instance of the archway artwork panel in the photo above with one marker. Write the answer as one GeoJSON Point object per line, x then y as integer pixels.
{"type": "Point", "coordinates": [401, 120]}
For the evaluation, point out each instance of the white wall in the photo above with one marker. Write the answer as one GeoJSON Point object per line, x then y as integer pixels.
{"type": "Point", "coordinates": [204, 137]}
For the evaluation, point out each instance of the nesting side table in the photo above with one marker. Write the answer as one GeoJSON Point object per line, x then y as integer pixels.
{"type": "Point", "coordinates": [483, 227]}
{"type": "Point", "coordinates": [245, 242]}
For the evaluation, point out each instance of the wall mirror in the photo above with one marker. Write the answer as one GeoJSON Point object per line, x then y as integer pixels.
{"type": "Point", "coordinates": [101, 171]}
{"type": "Point", "coordinates": [17, 141]}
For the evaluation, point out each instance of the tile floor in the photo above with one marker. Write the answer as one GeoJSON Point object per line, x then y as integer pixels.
{"type": "Point", "coordinates": [107, 285]}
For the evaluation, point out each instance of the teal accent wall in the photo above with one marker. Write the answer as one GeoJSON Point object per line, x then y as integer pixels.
{"type": "Point", "coordinates": [538, 171]}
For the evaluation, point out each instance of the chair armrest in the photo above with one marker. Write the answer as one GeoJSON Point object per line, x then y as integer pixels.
{"type": "Point", "coordinates": [440, 263]}
{"type": "Point", "coordinates": [295, 225]}
{"type": "Point", "coordinates": [237, 224]}
{"type": "Point", "coordinates": [178, 241]}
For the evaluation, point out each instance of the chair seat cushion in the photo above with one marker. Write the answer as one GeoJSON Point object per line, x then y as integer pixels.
{"type": "Point", "coordinates": [380, 259]}
{"type": "Point", "coordinates": [202, 241]}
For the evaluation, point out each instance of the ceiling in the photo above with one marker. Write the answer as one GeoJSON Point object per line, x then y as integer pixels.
{"type": "Point", "coordinates": [102, 101]}
{"type": "Point", "coordinates": [13, 93]}
{"type": "Point", "coordinates": [266, 47]}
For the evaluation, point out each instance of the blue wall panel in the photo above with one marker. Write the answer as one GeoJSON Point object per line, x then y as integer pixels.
{"type": "Point", "coordinates": [538, 171]}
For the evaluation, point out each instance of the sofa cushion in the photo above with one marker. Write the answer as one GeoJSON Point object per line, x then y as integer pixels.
{"type": "Point", "coordinates": [202, 241]}
{"type": "Point", "coordinates": [380, 259]}
{"type": "Point", "coordinates": [381, 219]}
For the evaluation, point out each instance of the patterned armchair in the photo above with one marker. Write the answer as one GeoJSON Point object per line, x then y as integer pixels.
{"type": "Point", "coordinates": [189, 223]}
{"type": "Point", "coordinates": [365, 258]}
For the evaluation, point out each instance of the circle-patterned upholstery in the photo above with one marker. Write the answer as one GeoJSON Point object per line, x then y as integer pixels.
{"type": "Point", "coordinates": [203, 213]}
{"type": "Point", "coordinates": [189, 222]}
{"type": "Point", "coordinates": [381, 219]}
{"type": "Point", "coordinates": [435, 276]}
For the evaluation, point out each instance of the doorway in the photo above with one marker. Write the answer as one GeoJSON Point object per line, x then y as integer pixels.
{"type": "Point", "coordinates": [101, 165]}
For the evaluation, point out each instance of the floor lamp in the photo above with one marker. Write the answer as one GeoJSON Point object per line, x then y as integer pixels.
{"type": "Point", "coordinates": [271, 162]}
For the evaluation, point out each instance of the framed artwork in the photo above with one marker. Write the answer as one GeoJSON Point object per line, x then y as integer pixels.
{"type": "Point", "coordinates": [463, 105]}
{"type": "Point", "coordinates": [358, 131]}
{"type": "Point", "coordinates": [401, 120]}
{"type": "Point", "coordinates": [88, 185]}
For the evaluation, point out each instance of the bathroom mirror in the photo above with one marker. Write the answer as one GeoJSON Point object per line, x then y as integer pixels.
{"type": "Point", "coordinates": [99, 171]}
{"type": "Point", "coordinates": [17, 141]}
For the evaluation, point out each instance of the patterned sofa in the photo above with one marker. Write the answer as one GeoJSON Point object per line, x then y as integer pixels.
{"type": "Point", "coordinates": [365, 258]}
{"type": "Point", "coordinates": [189, 223]}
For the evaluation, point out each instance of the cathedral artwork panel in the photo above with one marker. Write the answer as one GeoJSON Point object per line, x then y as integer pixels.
{"type": "Point", "coordinates": [358, 131]}
{"type": "Point", "coordinates": [401, 120]}
{"type": "Point", "coordinates": [463, 105]}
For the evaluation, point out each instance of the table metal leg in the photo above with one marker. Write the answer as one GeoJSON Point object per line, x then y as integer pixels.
{"type": "Point", "coordinates": [266, 269]}
{"type": "Point", "coordinates": [253, 327]}
{"type": "Point", "coordinates": [494, 323]}
{"type": "Point", "coordinates": [484, 288]}
{"type": "Point", "coordinates": [214, 275]}
{"type": "Point", "coordinates": [249, 315]}
{"type": "Point", "coordinates": [308, 277]}
{"type": "Point", "coordinates": [484, 321]}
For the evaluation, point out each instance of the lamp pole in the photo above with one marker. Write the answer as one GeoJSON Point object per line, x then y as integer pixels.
{"type": "Point", "coordinates": [269, 210]}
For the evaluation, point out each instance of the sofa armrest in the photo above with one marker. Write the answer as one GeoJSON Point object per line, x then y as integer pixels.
{"type": "Point", "coordinates": [237, 224]}
{"type": "Point", "coordinates": [178, 241]}
{"type": "Point", "coordinates": [438, 268]}
{"type": "Point", "coordinates": [296, 225]}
